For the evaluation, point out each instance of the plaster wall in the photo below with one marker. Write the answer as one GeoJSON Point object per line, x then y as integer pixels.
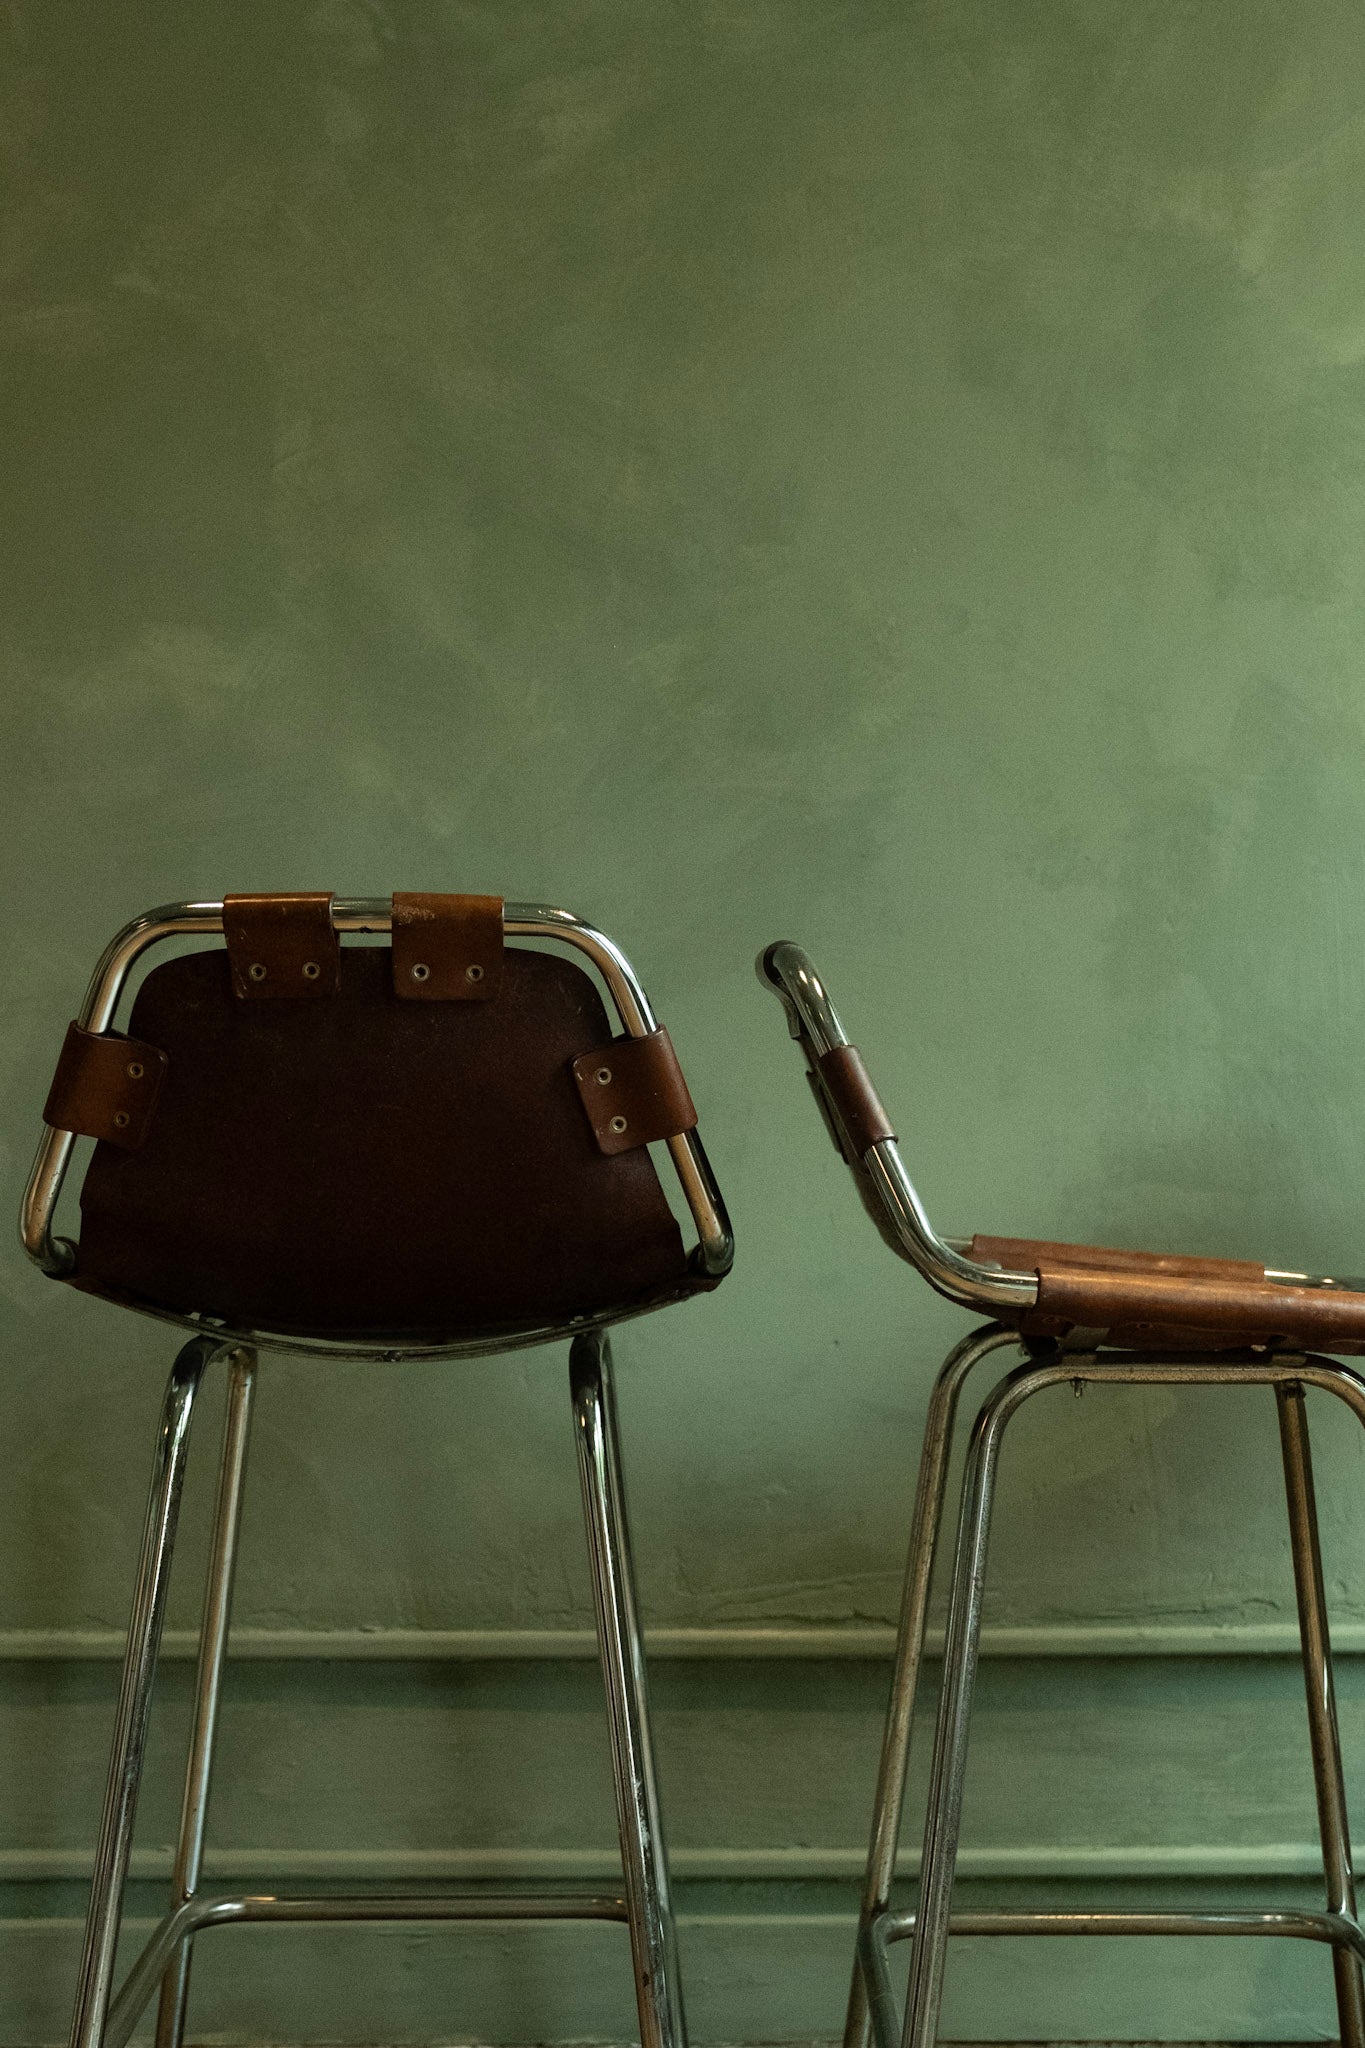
{"type": "Point", "coordinates": [887, 475]}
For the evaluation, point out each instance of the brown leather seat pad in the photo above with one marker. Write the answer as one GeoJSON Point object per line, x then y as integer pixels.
{"type": "Point", "coordinates": [1140, 1298]}
{"type": "Point", "coordinates": [371, 1167]}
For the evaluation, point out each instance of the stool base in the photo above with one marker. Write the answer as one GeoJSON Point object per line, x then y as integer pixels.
{"type": "Point", "coordinates": [872, 2010]}
{"type": "Point", "coordinates": [103, 2020]}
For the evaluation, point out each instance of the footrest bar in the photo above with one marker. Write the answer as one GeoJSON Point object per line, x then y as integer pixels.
{"type": "Point", "coordinates": [1339, 1930]}
{"type": "Point", "coordinates": [231, 1910]}
{"type": "Point", "coordinates": [1336, 1928]}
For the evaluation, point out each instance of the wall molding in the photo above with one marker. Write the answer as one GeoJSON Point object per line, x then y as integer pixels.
{"type": "Point", "coordinates": [1040, 1861]}
{"type": "Point", "coordinates": [760, 1642]}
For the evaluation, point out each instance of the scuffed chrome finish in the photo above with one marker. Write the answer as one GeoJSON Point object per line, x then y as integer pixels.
{"type": "Point", "coordinates": [135, 1695]}
{"type": "Point", "coordinates": [715, 1249]}
{"type": "Point", "coordinates": [1343, 1935]}
{"type": "Point", "coordinates": [1326, 1927]}
{"type": "Point", "coordinates": [213, 1635]}
{"type": "Point", "coordinates": [814, 1022]}
{"type": "Point", "coordinates": [643, 1905]}
{"type": "Point", "coordinates": [895, 1754]}
{"type": "Point", "coordinates": [384, 1352]}
{"type": "Point", "coordinates": [1325, 1281]}
{"type": "Point", "coordinates": [786, 970]}
{"type": "Point", "coordinates": [653, 1938]}
{"type": "Point", "coordinates": [952, 1273]}
{"type": "Point", "coordinates": [197, 1916]}
{"type": "Point", "coordinates": [939, 1854]}
{"type": "Point", "coordinates": [1324, 1734]}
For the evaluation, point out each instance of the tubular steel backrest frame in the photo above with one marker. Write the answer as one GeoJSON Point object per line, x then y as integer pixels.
{"type": "Point", "coordinates": [789, 973]}
{"type": "Point", "coordinates": [814, 1023]}
{"type": "Point", "coordinates": [56, 1256]}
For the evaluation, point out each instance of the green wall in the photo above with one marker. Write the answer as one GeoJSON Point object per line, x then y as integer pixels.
{"type": "Point", "coordinates": [887, 474]}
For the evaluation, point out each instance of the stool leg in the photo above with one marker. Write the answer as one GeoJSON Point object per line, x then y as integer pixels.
{"type": "Point", "coordinates": [895, 1754]}
{"type": "Point", "coordinates": [1324, 1736]}
{"type": "Point", "coordinates": [135, 1693]}
{"type": "Point", "coordinates": [213, 1635]}
{"type": "Point", "coordinates": [929, 1949]}
{"type": "Point", "coordinates": [653, 1940]}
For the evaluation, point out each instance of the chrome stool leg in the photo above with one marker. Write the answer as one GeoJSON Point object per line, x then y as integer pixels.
{"type": "Point", "coordinates": [1324, 1735]}
{"type": "Point", "coordinates": [929, 1949]}
{"type": "Point", "coordinates": [930, 1925]}
{"type": "Point", "coordinates": [189, 1853]}
{"type": "Point", "coordinates": [925, 1523]}
{"type": "Point", "coordinates": [135, 1692]}
{"type": "Point", "coordinates": [653, 1939]}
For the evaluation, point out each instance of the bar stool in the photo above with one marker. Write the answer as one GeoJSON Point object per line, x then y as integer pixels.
{"type": "Point", "coordinates": [1080, 1314]}
{"type": "Point", "coordinates": [432, 1148]}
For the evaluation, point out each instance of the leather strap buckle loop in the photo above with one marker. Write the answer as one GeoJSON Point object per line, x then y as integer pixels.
{"type": "Point", "coordinates": [105, 1087]}
{"type": "Point", "coordinates": [855, 1102]}
{"type": "Point", "coordinates": [634, 1092]}
{"type": "Point", "coordinates": [282, 945]}
{"type": "Point", "coordinates": [447, 949]}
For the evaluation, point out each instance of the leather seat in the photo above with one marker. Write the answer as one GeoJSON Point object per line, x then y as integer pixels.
{"type": "Point", "coordinates": [1138, 1300]}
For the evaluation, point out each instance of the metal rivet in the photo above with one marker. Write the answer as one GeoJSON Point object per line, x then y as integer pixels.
{"type": "Point", "coordinates": [256, 971]}
{"type": "Point", "coordinates": [311, 970]}
{"type": "Point", "coordinates": [420, 971]}
{"type": "Point", "coordinates": [474, 973]}
{"type": "Point", "coordinates": [618, 1123]}
{"type": "Point", "coordinates": [121, 1119]}
{"type": "Point", "coordinates": [603, 1076]}
{"type": "Point", "coordinates": [135, 1070]}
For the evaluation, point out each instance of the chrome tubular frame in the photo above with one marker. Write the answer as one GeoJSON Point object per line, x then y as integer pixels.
{"type": "Point", "coordinates": [814, 1023]}
{"type": "Point", "coordinates": [56, 1256]}
{"type": "Point", "coordinates": [873, 2014]}
{"type": "Point", "coordinates": [946, 1263]}
{"type": "Point", "coordinates": [789, 973]}
{"type": "Point", "coordinates": [105, 2020]}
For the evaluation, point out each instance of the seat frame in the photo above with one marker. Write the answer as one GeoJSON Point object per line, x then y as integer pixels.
{"type": "Point", "coordinates": [104, 2018]}
{"type": "Point", "coordinates": [873, 2014]}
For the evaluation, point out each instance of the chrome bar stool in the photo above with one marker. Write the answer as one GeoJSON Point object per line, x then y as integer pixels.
{"type": "Point", "coordinates": [432, 1148]}
{"type": "Point", "coordinates": [1080, 1314]}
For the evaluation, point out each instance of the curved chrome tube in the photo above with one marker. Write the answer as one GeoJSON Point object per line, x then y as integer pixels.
{"type": "Point", "coordinates": [56, 1256]}
{"type": "Point", "coordinates": [814, 1023]}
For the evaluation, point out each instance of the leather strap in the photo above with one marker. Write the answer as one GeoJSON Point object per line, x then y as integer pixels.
{"type": "Point", "coordinates": [1249, 1310]}
{"type": "Point", "coordinates": [1031, 1255]}
{"type": "Point", "coordinates": [105, 1087]}
{"type": "Point", "coordinates": [855, 1102]}
{"type": "Point", "coordinates": [634, 1092]}
{"type": "Point", "coordinates": [282, 945]}
{"type": "Point", "coordinates": [1139, 1299]}
{"type": "Point", "coordinates": [447, 949]}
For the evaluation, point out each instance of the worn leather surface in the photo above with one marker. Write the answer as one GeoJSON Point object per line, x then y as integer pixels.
{"type": "Point", "coordinates": [1027, 1254]}
{"type": "Point", "coordinates": [282, 945]}
{"type": "Point", "coordinates": [634, 1092]}
{"type": "Point", "coordinates": [1137, 1299]}
{"type": "Point", "coordinates": [856, 1103]}
{"type": "Point", "coordinates": [373, 1167]}
{"type": "Point", "coordinates": [447, 949]}
{"type": "Point", "coordinates": [106, 1086]}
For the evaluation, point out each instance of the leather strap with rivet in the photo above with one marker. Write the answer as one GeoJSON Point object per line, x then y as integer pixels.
{"type": "Point", "coordinates": [282, 945]}
{"type": "Point", "coordinates": [447, 949]}
{"type": "Point", "coordinates": [634, 1092]}
{"type": "Point", "coordinates": [105, 1087]}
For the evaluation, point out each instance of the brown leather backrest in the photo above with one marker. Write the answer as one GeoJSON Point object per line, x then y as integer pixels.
{"type": "Point", "coordinates": [368, 1166]}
